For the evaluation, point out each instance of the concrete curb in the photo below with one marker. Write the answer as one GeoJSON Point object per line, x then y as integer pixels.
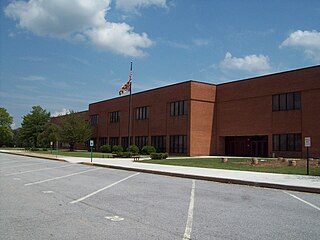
{"type": "Point", "coordinates": [35, 156]}
{"type": "Point", "coordinates": [213, 179]}
{"type": "Point", "coordinates": [190, 176]}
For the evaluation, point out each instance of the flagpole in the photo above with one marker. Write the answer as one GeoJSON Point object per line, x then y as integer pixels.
{"type": "Point", "coordinates": [129, 120]}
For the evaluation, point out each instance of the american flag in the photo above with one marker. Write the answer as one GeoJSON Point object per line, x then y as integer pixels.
{"type": "Point", "coordinates": [127, 86]}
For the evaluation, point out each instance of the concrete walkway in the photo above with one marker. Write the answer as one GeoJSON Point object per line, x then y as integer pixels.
{"type": "Point", "coordinates": [270, 180]}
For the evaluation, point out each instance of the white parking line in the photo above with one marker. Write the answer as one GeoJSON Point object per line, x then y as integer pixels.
{"type": "Point", "coordinates": [56, 178]}
{"type": "Point", "coordinates": [25, 165]}
{"type": "Point", "coordinates": [109, 186]}
{"type": "Point", "coordinates": [17, 161]}
{"type": "Point", "coordinates": [300, 199]}
{"type": "Point", "coordinates": [187, 232]}
{"type": "Point", "coordinates": [36, 170]}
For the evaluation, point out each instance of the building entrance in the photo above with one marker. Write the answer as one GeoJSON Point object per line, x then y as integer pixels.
{"type": "Point", "coordinates": [249, 146]}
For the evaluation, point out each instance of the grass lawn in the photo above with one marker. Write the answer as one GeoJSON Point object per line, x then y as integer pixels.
{"type": "Point", "coordinates": [83, 154]}
{"type": "Point", "coordinates": [241, 164]}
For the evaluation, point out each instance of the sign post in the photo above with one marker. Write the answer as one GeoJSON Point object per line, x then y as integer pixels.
{"type": "Point", "coordinates": [307, 144]}
{"type": "Point", "coordinates": [57, 145]}
{"type": "Point", "coordinates": [51, 144]}
{"type": "Point", "coordinates": [91, 145]}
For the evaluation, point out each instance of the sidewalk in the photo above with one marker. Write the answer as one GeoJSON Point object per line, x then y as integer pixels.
{"type": "Point", "coordinates": [269, 180]}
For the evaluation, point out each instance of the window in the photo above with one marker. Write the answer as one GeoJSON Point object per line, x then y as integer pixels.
{"type": "Point", "coordinates": [142, 113]}
{"type": "Point", "coordinates": [286, 101]}
{"type": "Point", "coordinates": [114, 141]}
{"type": "Point", "coordinates": [94, 120]}
{"type": "Point", "coordinates": [297, 100]}
{"type": "Point", "coordinates": [159, 142]}
{"type": "Point", "coordinates": [125, 142]}
{"type": "Point", "coordinates": [287, 142]}
{"type": "Point", "coordinates": [178, 144]}
{"type": "Point", "coordinates": [141, 141]}
{"type": "Point", "coordinates": [114, 117]}
{"type": "Point", "coordinates": [103, 141]}
{"type": "Point", "coordinates": [178, 108]}
{"type": "Point", "coordinates": [276, 142]}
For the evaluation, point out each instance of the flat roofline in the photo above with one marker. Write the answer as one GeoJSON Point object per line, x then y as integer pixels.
{"type": "Point", "coordinates": [211, 84]}
{"type": "Point", "coordinates": [74, 112]}
{"type": "Point", "coordinates": [155, 89]}
{"type": "Point", "coordinates": [269, 75]}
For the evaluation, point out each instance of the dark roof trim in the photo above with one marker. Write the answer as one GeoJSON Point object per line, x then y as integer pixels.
{"type": "Point", "coordinates": [211, 84]}
{"type": "Point", "coordinates": [269, 75]}
{"type": "Point", "coordinates": [154, 89]}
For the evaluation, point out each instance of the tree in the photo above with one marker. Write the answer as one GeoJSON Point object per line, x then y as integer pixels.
{"type": "Point", "coordinates": [33, 125]}
{"type": "Point", "coordinates": [74, 129]}
{"type": "Point", "coordinates": [51, 133]}
{"type": "Point", "coordinates": [6, 133]}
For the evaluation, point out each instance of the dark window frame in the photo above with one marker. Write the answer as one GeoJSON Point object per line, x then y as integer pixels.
{"type": "Point", "coordinates": [286, 101]}
{"type": "Point", "coordinates": [114, 117]}
{"type": "Point", "coordinates": [288, 142]}
{"type": "Point", "coordinates": [94, 119]}
{"type": "Point", "coordinates": [159, 142]}
{"type": "Point", "coordinates": [178, 108]}
{"type": "Point", "coordinates": [142, 113]}
{"type": "Point", "coordinates": [178, 144]}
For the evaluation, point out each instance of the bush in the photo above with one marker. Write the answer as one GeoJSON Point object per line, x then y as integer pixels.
{"type": "Point", "coordinates": [159, 155]}
{"type": "Point", "coordinates": [147, 150]}
{"type": "Point", "coordinates": [133, 149]}
{"type": "Point", "coordinates": [44, 149]}
{"type": "Point", "coordinates": [117, 149]}
{"type": "Point", "coordinates": [127, 154]}
{"type": "Point", "coordinates": [34, 149]}
{"type": "Point", "coordinates": [105, 148]}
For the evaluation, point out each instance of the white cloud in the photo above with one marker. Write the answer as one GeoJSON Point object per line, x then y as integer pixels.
{"type": "Point", "coordinates": [63, 112]}
{"type": "Point", "coordinates": [120, 38]}
{"type": "Point", "coordinates": [79, 20]}
{"type": "Point", "coordinates": [200, 42]}
{"type": "Point", "coordinates": [250, 63]}
{"type": "Point", "coordinates": [309, 41]}
{"type": "Point", "coordinates": [132, 5]}
{"type": "Point", "coordinates": [33, 78]}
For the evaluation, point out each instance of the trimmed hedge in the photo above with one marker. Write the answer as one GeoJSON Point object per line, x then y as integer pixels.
{"type": "Point", "coordinates": [147, 150]}
{"type": "Point", "coordinates": [159, 155]}
{"type": "Point", "coordinates": [105, 148]}
{"type": "Point", "coordinates": [133, 149]}
{"type": "Point", "coordinates": [117, 149]}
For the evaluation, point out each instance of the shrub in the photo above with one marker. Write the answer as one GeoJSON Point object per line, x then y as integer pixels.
{"type": "Point", "coordinates": [133, 149]}
{"type": "Point", "coordinates": [44, 149]}
{"type": "Point", "coordinates": [117, 148]}
{"type": "Point", "coordinates": [159, 155]}
{"type": "Point", "coordinates": [34, 149]}
{"type": "Point", "coordinates": [127, 154]}
{"type": "Point", "coordinates": [148, 150]}
{"type": "Point", "coordinates": [105, 148]}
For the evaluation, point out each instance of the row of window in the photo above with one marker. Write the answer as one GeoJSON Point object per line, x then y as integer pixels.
{"type": "Point", "coordinates": [176, 109]}
{"type": "Point", "coordinates": [287, 142]}
{"type": "Point", "coordinates": [178, 143]}
{"type": "Point", "coordinates": [286, 101]}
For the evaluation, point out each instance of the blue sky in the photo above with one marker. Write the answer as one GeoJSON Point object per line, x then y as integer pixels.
{"type": "Point", "coordinates": [66, 54]}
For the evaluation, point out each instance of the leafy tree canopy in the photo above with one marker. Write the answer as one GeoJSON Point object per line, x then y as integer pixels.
{"type": "Point", "coordinates": [6, 133]}
{"type": "Point", "coordinates": [33, 124]}
{"type": "Point", "coordinates": [74, 129]}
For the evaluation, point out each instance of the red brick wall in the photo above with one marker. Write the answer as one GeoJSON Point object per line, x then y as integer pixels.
{"type": "Point", "coordinates": [245, 108]}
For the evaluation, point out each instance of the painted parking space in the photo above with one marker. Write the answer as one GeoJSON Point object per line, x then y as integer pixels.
{"type": "Point", "coordinates": [127, 205]}
{"type": "Point", "coordinates": [225, 212]}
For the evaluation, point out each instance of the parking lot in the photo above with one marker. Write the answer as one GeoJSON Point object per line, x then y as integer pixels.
{"type": "Point", "coordinates": [45, 199]}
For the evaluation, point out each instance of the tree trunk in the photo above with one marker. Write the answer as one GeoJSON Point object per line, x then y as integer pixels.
{"type": "Point", "coordinates": [71, 147]}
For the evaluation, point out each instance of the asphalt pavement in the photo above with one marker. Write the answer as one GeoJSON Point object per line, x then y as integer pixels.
{"type": "Point", "coordinates": [291, 182]}
{"type": "Point", "coordinates": [45, 199]}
